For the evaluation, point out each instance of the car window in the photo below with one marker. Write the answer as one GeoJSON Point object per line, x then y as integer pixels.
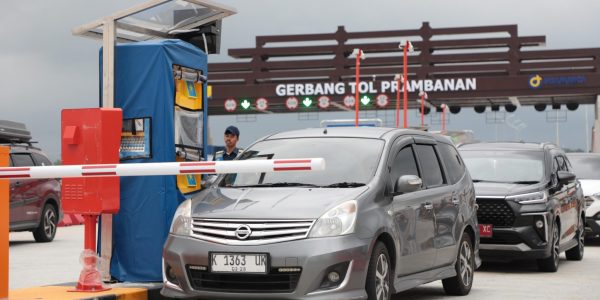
{"type": "Point", "coordinates": [404, 164]}
{"type": "Point", "coordinates": [586, 166]}
{"type": "Point", "coordinates": [505, 166]}
{"type": "Point", "coordinates": [22, 160]}
{"type": "Point", "coordinates": [41, 160]}
{"type": "Point", "coordinates": [454, 165]}
{"type": "Point", "coordinates": [432, 172]}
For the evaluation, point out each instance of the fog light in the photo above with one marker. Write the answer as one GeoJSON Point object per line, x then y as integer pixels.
{"type": "Point", "coordinates": [539, 224]}
{"type": "Point", "coordinates": [333, 277]}
{"type": "Point", "coordinates": [170, 274]}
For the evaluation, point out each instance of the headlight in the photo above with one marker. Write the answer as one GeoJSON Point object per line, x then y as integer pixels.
{"type": "Point", "coordinates": [531, 198]}
{"type": "Point", "coordinates": [338, 221]}
{"type": "Point", "coordinates": [182, 221]}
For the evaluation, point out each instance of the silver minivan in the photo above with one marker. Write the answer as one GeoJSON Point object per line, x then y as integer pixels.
{"type": "Point", "coordinates": [394, 209]}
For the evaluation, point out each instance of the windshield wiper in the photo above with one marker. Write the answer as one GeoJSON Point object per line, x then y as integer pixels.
{"type": "Point", "coordinates": [480, 180]}
{"type": "Point", "coordinates": [277, 184]}
{"type": "Point", "coordinates": [344, 184]}
{"type": "Point", "coordinates": [525, 182]}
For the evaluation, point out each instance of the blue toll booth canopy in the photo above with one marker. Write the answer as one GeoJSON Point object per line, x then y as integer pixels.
{"type": "Point", "coordinates": [146, 89]}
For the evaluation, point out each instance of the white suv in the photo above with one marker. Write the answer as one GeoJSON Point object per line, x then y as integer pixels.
{"type": "Point", "coordinates": [587, 169]}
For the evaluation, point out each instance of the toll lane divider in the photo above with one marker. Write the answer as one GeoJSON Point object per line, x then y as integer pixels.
{"type": "Point", "coordinates": [171, 168]}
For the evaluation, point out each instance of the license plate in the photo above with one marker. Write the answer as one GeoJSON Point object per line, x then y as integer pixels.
{"type": "Point", "coordinates": [238, 263]}
{"type": "Point", "coordinates": [486, 230]}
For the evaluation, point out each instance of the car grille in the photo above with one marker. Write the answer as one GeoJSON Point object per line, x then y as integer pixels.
{"type": "Point", "coordinates": [502, 239]}
{"type": "Point", "coordinates": [223, 231]}
{"type": "Point", "coordinates": [495, 212]}
{"type": "Point", "coordinates": [274, 282]}
{"type": "Point", "coordinates": [588, 201]}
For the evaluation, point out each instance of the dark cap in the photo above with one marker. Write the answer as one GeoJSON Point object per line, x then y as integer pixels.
{"type": "Point", "coordinates": [232, 130]}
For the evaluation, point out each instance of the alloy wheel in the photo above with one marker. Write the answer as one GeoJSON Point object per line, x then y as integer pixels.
{"type": "Point", "coordinates": [466, 266]}
{"type": "Point", "coordinates": [556, 245]}
{"type": "Point", "coordinates": [581, 238]}
{"type": "Point", "coordinates": [382, 287]}
{"type": "Point", "coordinates": [49, 222]}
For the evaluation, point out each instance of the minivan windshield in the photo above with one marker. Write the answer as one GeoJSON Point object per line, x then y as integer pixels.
{"type": "Point", "coordinates": [524, 167]}
{"type": "Point", "coordinates": [349, 162]}
{"type": "Point", "coordinates": [586, 166]}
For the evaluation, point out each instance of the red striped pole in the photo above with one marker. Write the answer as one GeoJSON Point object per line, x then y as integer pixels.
{"type": "Point", "coordinates": [173, 168]}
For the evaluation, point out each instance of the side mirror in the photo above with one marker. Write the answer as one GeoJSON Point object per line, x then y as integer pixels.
{"type": "Point", "coordinates": [407, 184]}
{"type": "Point", "coordinates": [565, 177]}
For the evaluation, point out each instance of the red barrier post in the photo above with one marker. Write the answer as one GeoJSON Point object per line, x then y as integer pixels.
{"type": "Point", "coordinates": [90, 136]}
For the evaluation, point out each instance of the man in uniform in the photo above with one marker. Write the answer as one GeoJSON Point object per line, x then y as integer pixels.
{"type": "Point", "coordinates": [232, 135]}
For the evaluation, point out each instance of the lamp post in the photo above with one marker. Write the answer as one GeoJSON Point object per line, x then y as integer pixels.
{"type": "Point", "coordinates": [359, 55]}
{"type": "Point", "coordinates": [406, 46]}
{"type": "Point", "coordinates": [399, 79]}
{"type": "Point", "coordinates": [424, 97]}
{"type": "Point", "coordinates": [443, 106]}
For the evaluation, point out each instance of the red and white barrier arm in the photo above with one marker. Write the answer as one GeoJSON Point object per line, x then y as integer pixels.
{"type": "Point", "coordinates": [173, 168]}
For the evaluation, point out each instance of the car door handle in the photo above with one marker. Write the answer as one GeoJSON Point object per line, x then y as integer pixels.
{"type": "Point", "coordinates": [428, 206]}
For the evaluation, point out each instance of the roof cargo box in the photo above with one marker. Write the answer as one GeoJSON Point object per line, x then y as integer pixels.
{"type": "Point", "coordinates": [14, 132]}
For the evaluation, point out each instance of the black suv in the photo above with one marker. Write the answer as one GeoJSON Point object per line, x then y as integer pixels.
{"type": "Point", "coordinates": [530, 204]}
{"type": "Point", "coordinates": [34, 203]}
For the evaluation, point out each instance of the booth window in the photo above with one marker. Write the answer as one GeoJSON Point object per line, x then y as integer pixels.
{"type": "Point", "coordinates": [136, 139]}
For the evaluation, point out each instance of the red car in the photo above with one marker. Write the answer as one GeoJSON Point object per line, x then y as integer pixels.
{"type": "Point", "coordinates": [34, 203]}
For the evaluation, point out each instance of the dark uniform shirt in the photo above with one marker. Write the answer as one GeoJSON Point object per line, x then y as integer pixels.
{"type": "Point", "coordinates": [222, 155]}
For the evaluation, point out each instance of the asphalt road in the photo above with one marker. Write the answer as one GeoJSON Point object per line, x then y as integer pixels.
{"type": "Point", "coordinates": [33, 264]}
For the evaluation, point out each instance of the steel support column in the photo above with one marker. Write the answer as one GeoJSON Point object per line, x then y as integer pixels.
{"type": "Point", "coordinates": [108, 101]}
{"type": "Point", "coordinates": [596, 131]}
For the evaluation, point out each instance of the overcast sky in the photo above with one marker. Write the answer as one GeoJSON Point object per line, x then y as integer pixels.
{"type": "Point", "coordinates": [45, 69]}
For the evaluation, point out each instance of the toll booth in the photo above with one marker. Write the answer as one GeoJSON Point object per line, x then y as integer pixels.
{"type": "Point", "coordinates": [161, 88]}
{"type": "Point", "coordinates": [153, 69]}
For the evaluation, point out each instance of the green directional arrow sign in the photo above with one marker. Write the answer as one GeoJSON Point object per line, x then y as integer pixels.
{"type": "Point", "coordinates": [307, 102]}
{"type": "Point", "coordinates": [365, 100]}
{"type": "Point", "coordinates": [245, 104]}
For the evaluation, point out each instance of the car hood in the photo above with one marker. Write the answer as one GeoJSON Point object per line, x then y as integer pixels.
{"type": "Point", "coordinates": [270, 203]}
{"type": "Point", "coordinates": [497, 189]}
{"type": "Point", "coordinates": [590, 186]}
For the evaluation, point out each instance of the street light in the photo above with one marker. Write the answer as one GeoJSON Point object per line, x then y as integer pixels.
{"type": "Point", "coordinates": [406, 46]}
{"type": "Point", "coordinates": [359, 54]}
{"type": "Point", "coordinates": [443, 106]}
{"type": "Point", "coordinates": [424, 97]}
{"type": "Point", "coordinates": [399, 79]}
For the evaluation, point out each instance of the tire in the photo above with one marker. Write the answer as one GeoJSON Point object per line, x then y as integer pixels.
{"type": "Point", "coordinates": [378, 284]}
{"type": "Point", "coordinates": [576, 253]}
{"type": "Point", "coordinates": [47, 228]}
{"type": "Point", "coordinates": [550, 264]}
{"type": "Point", "coordinates": [461, 284]}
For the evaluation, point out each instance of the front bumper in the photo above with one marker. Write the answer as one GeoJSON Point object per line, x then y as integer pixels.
{"type": "Point", "coordinates": [314, 256]}
{"type": "Point", "coordinates": [521, 241]}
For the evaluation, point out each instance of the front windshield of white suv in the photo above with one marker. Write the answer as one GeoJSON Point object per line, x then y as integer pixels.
{"type": "Point", "coordinates": [524, 167]}
{"type": "Point", "coordinates": [350, 162]}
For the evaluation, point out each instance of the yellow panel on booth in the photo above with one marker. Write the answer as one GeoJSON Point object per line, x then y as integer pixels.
{"type": "Point", "coordinates": [188, 94]}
